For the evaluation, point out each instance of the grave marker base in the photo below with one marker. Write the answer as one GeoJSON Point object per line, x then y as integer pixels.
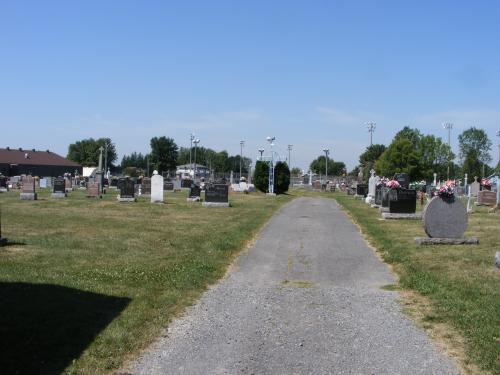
{"type": "Point", "coordinates": [193, 199]}
{"type": "Point", "coordinates": [215, 204]}
{"type": "Point", "coordinates": [383, 209]}
{"type": "Point", "coordinates": [58, 195]}
{"type": "Point", "coordinates": [28, 196]}
{"type": "Point", "coordinates": [395, 216]}
{"type": "Point", "coordinates": [4, 190]}
{"type": "Point", "coordinates": [126, 199]}
{"type": "Point", "coordinates": [446, 241]}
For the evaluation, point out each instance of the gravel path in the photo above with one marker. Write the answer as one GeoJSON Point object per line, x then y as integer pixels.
{"type": "Point", "coordinates": [306, 299]}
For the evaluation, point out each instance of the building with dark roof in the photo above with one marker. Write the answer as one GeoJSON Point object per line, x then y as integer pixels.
{"type": "Point", "coordinates": [15, 162]}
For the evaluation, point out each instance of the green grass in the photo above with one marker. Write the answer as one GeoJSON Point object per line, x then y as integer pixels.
{"type": "Point", "coordinates": [85, 284]}
{"type": "Point", "coordinates": [460, 281]}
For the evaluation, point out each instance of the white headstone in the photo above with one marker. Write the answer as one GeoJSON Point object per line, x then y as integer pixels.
{"type": "Point", "coordinates": [435, 181]}
{"type": "Point", "coordinates": [43, 183]}
{"type": "Point", "coordinates": [231, 178]}
{"type": "Point", "coordinates": [475, 187]}
{"type": "Point", "coordinates": [372, 184]}
{"type": "Point", "coordinates": [310, 178]}
{"type": "Point", "coordinates": [156, 188]}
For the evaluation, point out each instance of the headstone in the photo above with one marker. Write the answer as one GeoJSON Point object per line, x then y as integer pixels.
{"type": "Point", "coordinates": [59, 188]}
{"type": "Point", "coordinates": [28, 191]}
{"type": "Point", "coordinates": [127, 190]}
{"type": "Point", "coordinates": [177, 185]}
{"type": "Point", "coordinates": [317, 185]}
{"type": "Point", "coordinates": [186, 183]}
{"type": "Point", "coordinates": [93, 190]}
{"type": "Point", "coordinates": [460, 191]}
{"type": "Point", "coordinates": [445, 218]}
{"type": "Point", "coordinates": [378, 195]}
{"type": "Point", "coordinates": [486, 198]}
{"type": "Point", "coordinates": [194, 193]}
{"type": "Point", "coordinates": [156, 188]}
{"type": "Point", "coordinates": [168, 185]}
{"type": "Point", "coordinates": [402, 201]}
{"type": "Point", "coordinates": [362, 190]}
{"type": "Point", "coordinates": [372, 184]}
{"type": "Point", "coordinates": [475, 187]}
{"type": "Point", "coordinates": [68, 185]}
{"type": "Point", "coordinates": [216, 195]}
{"type": "Point", "coordinates": [3, 184]}
{"type": "Point", "coordinates": [43, 183]}
{"type": "Point", "coordinates": [403, 179]}
{"type": "Point", "coordinates": [435, 179]}
{"type": "Point", "coordinates": [231, 181]}
{"type": "Point", "coordinates": [146, 186]}
{"type": "Point", "coordinates": [360, 177]}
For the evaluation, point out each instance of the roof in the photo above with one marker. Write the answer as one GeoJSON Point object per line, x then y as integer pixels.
{"type": "Point", "coordinates": [190, 166]}
{"type": "Point", "coordinates": [32, 157]}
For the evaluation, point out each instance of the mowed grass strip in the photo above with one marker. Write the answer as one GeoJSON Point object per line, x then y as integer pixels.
{"type": "Point", "coordinates": [460, 281]}
{"type": "Point", "coordinates": [85, 284]}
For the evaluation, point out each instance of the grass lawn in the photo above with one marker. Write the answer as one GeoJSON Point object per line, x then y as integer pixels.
{"type": "Point", "coordinates": [86, 283]}
{"type": "Point", "coordinates": [461, 282]}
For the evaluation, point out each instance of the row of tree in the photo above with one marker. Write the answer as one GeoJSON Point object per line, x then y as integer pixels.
{"type": "Point", "coordinates": [421, 155]}
{"type": "Point", "coordinates": [164, 156]}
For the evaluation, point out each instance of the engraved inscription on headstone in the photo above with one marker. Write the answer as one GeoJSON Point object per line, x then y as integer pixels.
{"type": "Point", "coordinates": [59, 188]}
{"type": "Point", "coordinates": [93, 190]}
{"type": "Point", "coordinates": [217, 195]}
{"type": "Point", "coordinates": [362, 189]}
{"type": "Point", "coordinates": [146, 186]}
{"type": "Point", "coordinates": [28, 191]}
{"type": "Point", "coordinates": [127, 189]}
{"type": "Point", "coordinates": [486, 197]}
{"type": "Point", "coordinates": [403, 179]}
{"type": "Point", "coordinates": [402, 201]}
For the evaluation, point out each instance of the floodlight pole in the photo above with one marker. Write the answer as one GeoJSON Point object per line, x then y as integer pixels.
{"type": "Point", "coordinates": [448, 126]}
{"type": "Point", "coordinates": [192, 138]}
{"type": "Point", "coordinates": [196, 141]}
{"type": "Point", "coordinates": [371, 129]}
{"type": "Point", "coordinates": [261, 150]}
{"type": "Point", "coordinates": [242, 143]}
{"type": "Point", "coordinates": [289, 160]}
{"type": "Point", "coordinates": [327, 152]}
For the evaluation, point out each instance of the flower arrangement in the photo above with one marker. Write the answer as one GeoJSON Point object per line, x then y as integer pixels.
{"type": "Point", "coordinates": [485, 182]}
{"type": "Point", "coordinates": [447, 190]}
{"type": "Point", "coordinates": [393, 184]}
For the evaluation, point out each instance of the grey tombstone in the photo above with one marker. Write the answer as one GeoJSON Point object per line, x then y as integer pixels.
{"type": "Point", "coordinates": [475, 187]}
{"type": "Point", "coordinates": [146, 186]}
{"type": "Point", "coordinates": [445, 221]}
{"type": "Point", "coordinates": [156, 188]}
{"type": "Point", "coordinates": [127, 190]}
{"type": "Point", "coordinates": [216, 195]}
{"type": "Point", "coordinates": [68, 184]}
{"type": "Point", "coordinates": [93, 190]}
{"type": "Point", "coordinates": [486, 198]}
{"type": "Point", "coordinates": [28, 191]}
{"type": "Point", "coordinates": [59, 189]}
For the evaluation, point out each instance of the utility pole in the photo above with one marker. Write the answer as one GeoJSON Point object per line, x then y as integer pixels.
{"type": "Point", "coordinates": [327, 152]}
{"type": "Point", "coordinates": [271, 166]}
{"type": "Point", "coordinates": [192, 138]}
{"type": "Point", "coordinates": [106, 158]}
{"type": "Point", "coordinates": [242, 143]}
{"type": "Point", "coordinates": [289, 160]}
{"type": "Point", "coordinates": [371, 129]}
{"type": "Point", "coordinates": [498, 135]}
{"type": "Point", "coordinates": [448, 126]}
{"type": "Point", "coordinates": [196, 141]}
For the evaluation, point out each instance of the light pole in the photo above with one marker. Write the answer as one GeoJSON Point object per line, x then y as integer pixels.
{"type": "Point", "coordinates": [448, 126]}
{"type": "Point", "coordinates": [192, 138]}
{"type": "Point", "coordinates": [261, 150]}
{"type": "Point", "coordinates": [498, 135]}
{"type": "Point", "coordinates": [289, 161]}
{"type": "Point", "coordinates": [106, 157]}
{"type": "Point", "coordinates": [327, 152]}
{"type": "Point", "coordinates": [242, 143]}
{"type": "Point", "coordinates": [271, 166]}
{"type": "Point", "coordinates": [195, 141]}
{"type": "Point", "coordinates": [371, 129]}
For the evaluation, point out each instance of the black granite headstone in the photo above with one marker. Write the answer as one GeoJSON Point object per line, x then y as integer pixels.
{"type": "Point", "coordinates": [3, 182]}
{"type": "Point", "coordinates": [218, 193]}
{"type": "Point", "coordinates": [59, 185]}
{"type": "Point", "coordinates": [126, 188]}
{"type": "Point", "coordinates": [402, 201]}
{"type": "Point", "coordinates": [403, 179]}
{"type": "Point", "coordinates": [194, 191]}
{"type": "Point", "coordinates": [168, 185]}
{"type": "Point", "coordinates": [362, 189]}
{"type": "Point", "coordinates": [186, 183]}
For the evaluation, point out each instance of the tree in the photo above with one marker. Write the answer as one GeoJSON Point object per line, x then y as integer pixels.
{"type": "Point", "coordinates": [281, 177]}
{"type": "Point", "coordinates": [86, 152]}
{"type": "Point", "coordinates": [261, 176]}
{"type": "Point", "coordinates": [472, 165]}
{"type": "Point", "coordinates": [434, 157]}
{"type": "Point", "coordinates": [474, 144]}
{"type": "Point", "coordinates": [335, 168]}
{"type": "Point", "coordinates": [164, 154]}
{"type": "Point", "coordinates": [135, 159]}
{"type": "Point", "coordinates": [296, 171]}
{"type": "Point", "coordinates": [368, 158]}
{"type": "Point", "coordinates": [400, 157]}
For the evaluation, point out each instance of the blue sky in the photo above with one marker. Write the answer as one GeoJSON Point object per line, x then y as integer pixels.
{"type": "Point", "coordinates": [310, 73]}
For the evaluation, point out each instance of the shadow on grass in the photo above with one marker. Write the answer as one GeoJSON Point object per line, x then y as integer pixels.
{"type": "Point", "coordinates": [13, 243]}
{"type": "Point", "coordinates": [44, 327]}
